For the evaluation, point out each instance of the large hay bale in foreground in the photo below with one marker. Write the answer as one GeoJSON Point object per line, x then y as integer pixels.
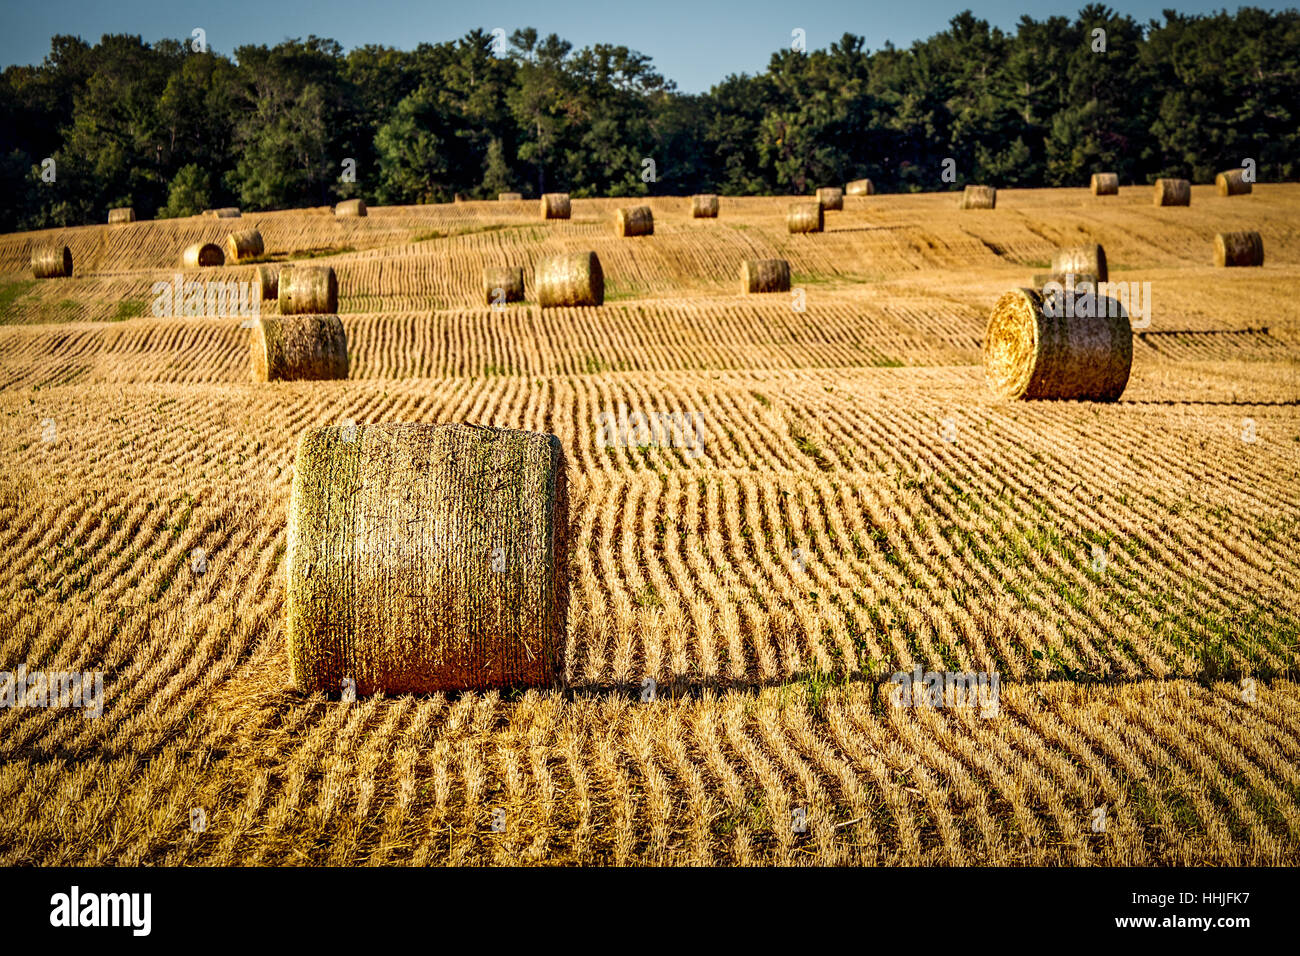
{"type": "Point", "coordinates": [805, 217]}
{"type": "Point", "coordinates": [764, 275]}
{"type": "Point", "coordinates": [1172, 192]}
{"type": "Point", "coordinates": [349, 208]}
{"type": "Point", "coordinates": [1105, 184]}
{"type": "Point", "coordinates": [268, 280]}
{"type": "Point", "coordinates": [503, 284]}
{"type": "Point", "coordinates": [425, 558]}
{"type": "Point", "coordinates": [510, 197]}
{"type": "Point", "coordinates": [979, 197]}
{"type": "Point", "coordinates": [246, 244]}
{"type": "Point", "coordinates": [1238, 249]}
{"type": "Point", "coordinates": [831, 197]}
{"type": "Point", "coordinates": [202, 255]}
{"type": "Point", "coordinates": [1231, 182]}
{"type": "Point", "coordinates": [555, 206]}
{"type": "Point", "coordinates": [704, 206]}
{"type": "Point", "coordinates": [634, 221]}
{"type": "Point", "coordinates": [859, 187]}
{"type": "Point", "coordinates": [121, 214]}
{"type": "Point", "coordinates": [1087, 259]}
{"type": "Point", "coordinates": [298, 347]}
{"type": "Point", "coordinates": [51, 262]}
{"type": "Point", "coordinates": [1030, 353]}
{"type": "Point", "coordinates": [572, 278]}
{"type": "Point", "coordinates": [308, 290]}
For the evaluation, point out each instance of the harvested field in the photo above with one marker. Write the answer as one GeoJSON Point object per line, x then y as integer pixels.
{"type": "Point", "coordinates": [850, 501]}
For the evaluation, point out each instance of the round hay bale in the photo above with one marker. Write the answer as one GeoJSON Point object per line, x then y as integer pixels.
{"type": "Point", "coordinates": [1238, 249]}
{"type": "Point", "coordinates": [121, 214]}
{"type": "Point", "coordinates": [831, 197]}
{"type": "Point", "coordinates": [510, 197]}
{"type": "Point", "coordinates": [351, 207]}
{"type": "Point", "coordinates": [704, 206]}
{"type": "Point", "coordinates": [1105, 184]}
{"type": "Point", "coordinates": [503, 284]}
{"type": "Point", "coordinates": [859, 187]}
{"type": "Point", "coordinates": [805, 217]}
{"type": "Point", "coordinates": [555, 206]}
{"type": "Point", "coordinates": [298, 347]}
{"type": "Point", "coordinates": [634, 221]}
{"type": "Point", "coordinates": [979, 197]}
{"type": "Point", "coordinates": [202, 254]}
{"type": "Point", "coordinates": [764, 275]}
{"type": "Point", "coordinates": [51, 262]}
{"type": "Point", "coordinates": [1173, 192]}
{"type": "Point", "coordinates": [268, 279]}
{"type": "Point", "coordinates": [1089, 259]}
{"type": "Point", "coordinates": [425, 558]}
{"type": "Point", "coordinates": [308, 290]}
{"type": "Point", "coordinates": [1230, 182]}
{"type": "Point", "coordinates": [1030, 353]}
{"type": "Point", "coordinates": [226, 212]}
{"type": "Point", "coordinates": [572, 278]}
{"type": "Point", "coordinates": [246, 244]}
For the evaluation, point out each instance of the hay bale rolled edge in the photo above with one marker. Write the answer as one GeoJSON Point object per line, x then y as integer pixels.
{"type": "Point", "coordinates": [202, 255]}
{"type": "Point", "coordinates": [350, 208]}
{"type": "Point", "coordinates": [979, 197]}
{"type": "Point", "coordinates": [308, 290]}
{"type": "Point", "coordinates": [831, 198]}
{"type": "Point", "coordinates": [634, 221]}
{"type": "Point", "coordinates": [503, 284]}
{"type": "Point", "coordinates": [1089, 259]}
{"type": "Point", "coordinates": [764, 275]}
{"type": "Point", "coordinates": [1238, 249]}
{"type": "Point", "coordinates": [1029, 354]}
{"type": "Point", "coordinates": [1105, 184]}
{"type": "Point", "coordinates": [298, 347]}
{"type": "Point", "coordinates": [51, 262]}
{"type": "Point", "coordinates": [1172, 192]}
{"type": "Point", "coordinates": [121, 214]}
{"type": "Point", "coordinates": [268, 280]}
{"type": "Point", "coordinates": [704, 206]}
{"type": "Point", "coordinates": [570, 279]}
{"type": "Point", "coordinates": [803, 217]}
{"type": "Point", "coordinates": [556, 206]}
{"type": "Point", "coordinates": [859, 187]}
{"type": "Point", "coordinates": [245, 244]}
{"type": "Point", "coordinates": [1230, 182]}
{"type": "Point", "coordinates": [425, 558]}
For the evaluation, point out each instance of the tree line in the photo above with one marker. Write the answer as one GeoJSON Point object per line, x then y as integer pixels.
{"type": "Point", "coordinates": [172, 127]}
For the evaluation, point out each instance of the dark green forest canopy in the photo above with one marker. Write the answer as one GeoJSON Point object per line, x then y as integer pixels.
{"type": "Point", "coordinates": [171, 130]}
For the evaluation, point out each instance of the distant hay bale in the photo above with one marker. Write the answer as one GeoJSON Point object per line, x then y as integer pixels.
{"type": "Point", "coordinates": [1173, 192]}
{"type": "Point", "coordinates": [1089, 259]}
{"type": "Point", "coordinates": [425, 558]}
{"type": "Point", "coordinates": [51, 262]}
{"type": "Point", "coordinates": [1064, 279]}
{"type": "Point", "coordinates": [246, 244]}
{"type": "Point", "coordinates": [572, 278]}
{"type": "Point", "coordinates": [308, 290]}
{"type": "Point", "coordinates": [1238, 249]}
{"type": "Point", "coordinates": [1231, 182]}
{"type": "Point", "coordinates": [203, 254]}
{"type": "Point", "coordinates": [1030, 353]}
{"type": "Point", "coordinates": [510, 197]}
{"type": "Point", "coordinates": [805, 217]}
{"type": "Point", "coordinates": [634, 221]}
{"type": "Point", "coordinates": [1105, 184]}
{"type": "Point", "coordinates": [298, 347]}
{"type": "Point", "coordinates": [764, 275]}
{"type": "Point", "coordinates": [859, 187]}
{"type": "Point", "coordinates": [268, 279]}
{"type": "Point", "coordinates": [979, 197]}
{"type": "Point", "coordinates": [704, 206]}
{"type": "Point", "coordinates": [226, 212]}
{"type": "Point", "coordinates": [831, 198]}
{"type": "Point", "coordinates": [121, 214]}
{"type": "Point", "coordinates": [503, 284]}
{"type": "Point", "coordinates": [350, 208]}
{"type": "Point", "coordinates": [555, 206]}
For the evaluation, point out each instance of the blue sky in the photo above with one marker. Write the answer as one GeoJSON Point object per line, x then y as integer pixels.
{"type": "Point", "coordinates": [694, 42]}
